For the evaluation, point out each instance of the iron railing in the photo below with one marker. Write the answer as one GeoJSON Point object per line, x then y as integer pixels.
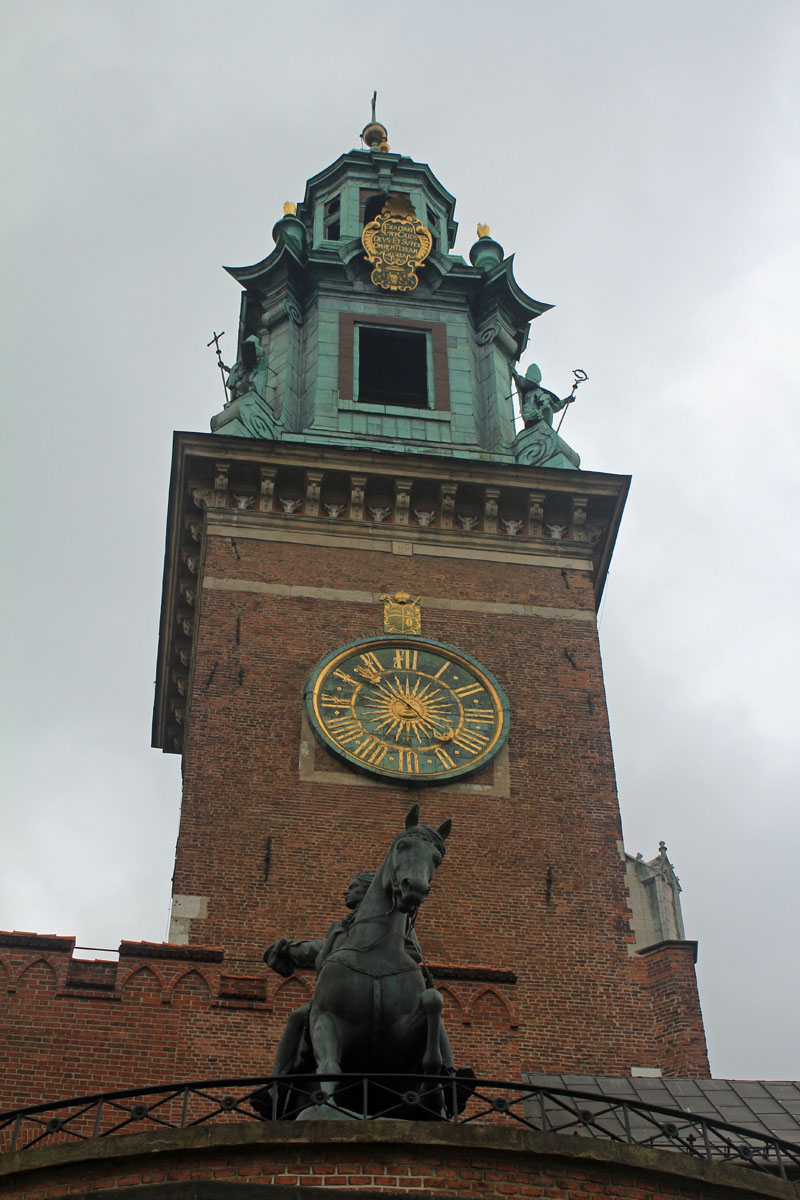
{"type": "Point", "coordinates": [541, 1109]}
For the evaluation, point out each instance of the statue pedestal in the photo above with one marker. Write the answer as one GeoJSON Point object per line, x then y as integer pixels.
{"type": "Point", "coordinates": [247, 416]}
{"type": "Point", "coordinates": [540, 446]}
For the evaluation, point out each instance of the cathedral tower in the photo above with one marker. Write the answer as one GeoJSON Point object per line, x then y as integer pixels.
{"type": "Point", "coordinates": [381, 588]}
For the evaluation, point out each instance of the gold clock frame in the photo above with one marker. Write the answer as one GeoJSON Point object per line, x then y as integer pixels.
{"type": "Point", "coordinates": [379, 705]}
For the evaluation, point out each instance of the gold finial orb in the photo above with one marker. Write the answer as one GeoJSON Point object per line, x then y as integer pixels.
{"type": "Point", "coordinates": [484, 230]}
{"type": "Point", "coordinates": [289, 208]}
{"type": "Point", "coordinates": [375, 136]}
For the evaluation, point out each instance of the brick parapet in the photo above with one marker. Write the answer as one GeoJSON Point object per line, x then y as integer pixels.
{"type": "Point", "coordinates": [77, 1026]}
{"type": "Point", "coordinates": [375, 1158]}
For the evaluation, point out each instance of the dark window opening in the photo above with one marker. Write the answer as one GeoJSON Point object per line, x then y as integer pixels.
{"type": "Point", "coordinates": [331, 225]}
{"type": "Point", "coordinates": [373, 206]}
{"type": "Point", "coordinates": [364, 197]}
{"type": "Point", "coordinates": [433, 223]}
{"type": "Point", "coordinates": [392, 367]}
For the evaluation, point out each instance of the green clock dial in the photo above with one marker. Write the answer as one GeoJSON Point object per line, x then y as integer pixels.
{"type": "Point", "coordinates": [407, 709]}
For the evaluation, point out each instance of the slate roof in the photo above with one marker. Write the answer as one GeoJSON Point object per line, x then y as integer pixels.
{"type": "Point", "coordinates": [764, 1107]}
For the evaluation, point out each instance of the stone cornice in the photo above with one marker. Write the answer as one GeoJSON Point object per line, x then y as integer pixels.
{"type": "Point", "coordinates": [490, 511]}
{"type": "Point", "coordinates": [681, 946]}
{"type": "Point", "coordinates": [36, 941]}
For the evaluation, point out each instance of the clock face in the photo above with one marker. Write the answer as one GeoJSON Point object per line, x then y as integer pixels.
{"type": "Point", "coordinates": [407, 708]}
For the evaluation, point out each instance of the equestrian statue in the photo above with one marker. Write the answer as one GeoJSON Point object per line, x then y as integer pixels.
{"type": "Point", "coordinates": [375, 1010]}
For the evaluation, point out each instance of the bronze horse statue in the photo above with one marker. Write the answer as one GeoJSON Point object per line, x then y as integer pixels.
{"type": "Point", "coordinates": [375, 1010]}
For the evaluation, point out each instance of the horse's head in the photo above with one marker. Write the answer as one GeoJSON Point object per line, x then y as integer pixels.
{"type": "Point", "coordinates": [413, 860]}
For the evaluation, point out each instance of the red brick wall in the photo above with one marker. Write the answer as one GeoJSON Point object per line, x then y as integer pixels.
{"type": "Point", "coordinates": [668, 974]}
{"type": "Point", "coordinates": [531, 883]}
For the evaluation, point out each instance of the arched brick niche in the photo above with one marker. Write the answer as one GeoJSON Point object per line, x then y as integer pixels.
{"type": "Point", "coordinates": [305, 1160]}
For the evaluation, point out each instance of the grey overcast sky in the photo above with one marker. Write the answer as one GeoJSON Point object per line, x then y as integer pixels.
{"type": "Point", "coordinates": [641, 161]}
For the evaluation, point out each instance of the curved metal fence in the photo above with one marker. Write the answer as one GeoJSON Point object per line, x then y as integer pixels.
{"type": "Point", "coordinates": [381, 1097]}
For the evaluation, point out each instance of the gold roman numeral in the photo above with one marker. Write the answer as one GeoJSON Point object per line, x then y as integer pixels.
{"type": "Point", "coordinates": [481, 716]}
{"type": "Point", "coordinates": [370, 668]}
{"type": "Point", "coordinates": [343, 675]}
{"type": "Point", "coordinates": [371, 751]}
{"type": "Point", "coordinates": [345, 729]}
{"type": "Point", "coordinates": [443, 757]}
{"type": "Point", "coordinates": [471, 740]}
{"type": "Point", "coordinates": [408, 761]}
{"type": "Point", "coordinates": [332, 701]}
{"type": "Point", "coordinates": [405, 660]}
{"type": "Point", "coordinates": [469, 689]}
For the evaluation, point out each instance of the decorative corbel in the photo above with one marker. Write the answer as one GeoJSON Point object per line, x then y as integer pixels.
{"type": "Point", "coordinates": [267, 488]}
{"type": "Point", "coordinates": [201, 497]}
{"type": "Point", "coordinates": [402, 500]}
{"type": "Point", "coordinates": [447, 495]}
{"type": "Point", "coordinates": [536, 513]}
{"type": "Point", "coordinates": [221, 472]}
{"type": "Point", "coordinates": [357, 485]}
{"type": "Point", "coordinates": [491, 497]}
{"type": "Point", "coordinates": [313, 489]}
{"type": "Point", "coordinates": [579, 507]}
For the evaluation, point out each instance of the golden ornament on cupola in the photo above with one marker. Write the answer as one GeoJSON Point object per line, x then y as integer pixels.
{"type": "Point", "coordinates": [397, 243]}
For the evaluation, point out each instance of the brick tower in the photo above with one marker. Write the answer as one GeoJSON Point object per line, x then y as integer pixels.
{"type": "Point", "coordinates": [378, 590]}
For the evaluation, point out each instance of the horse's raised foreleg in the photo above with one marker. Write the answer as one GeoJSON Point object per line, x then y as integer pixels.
{"type": "Point", "coordinates": [432, 1005]}
{"type": "Point", "coordinates": [327, 1042]}
{"type": "Point", "coordinates": [444, 1048]}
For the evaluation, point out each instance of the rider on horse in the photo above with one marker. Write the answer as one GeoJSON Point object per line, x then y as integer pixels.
{"type": "Point", "coordinates": [285, 956]}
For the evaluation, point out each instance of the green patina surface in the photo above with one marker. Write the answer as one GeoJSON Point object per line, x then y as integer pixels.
{"type": "Point", "coordinates": [306, 306]}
